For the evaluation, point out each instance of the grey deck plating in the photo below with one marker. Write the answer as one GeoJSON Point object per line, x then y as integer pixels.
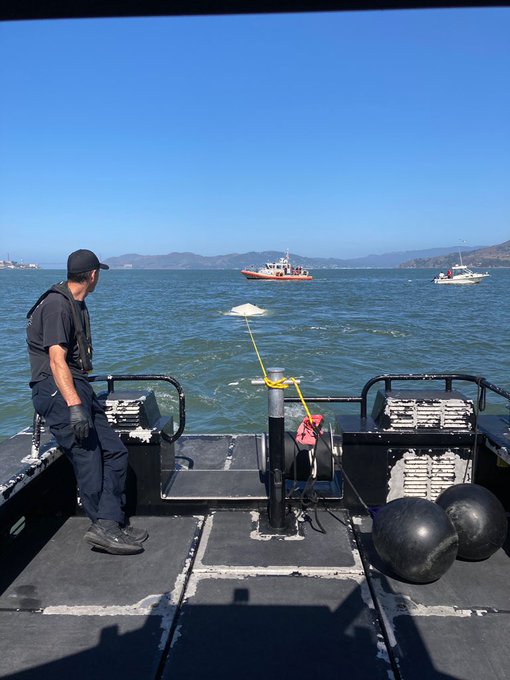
{"type": "Point", "coordinates": [70, 612]}
{"type": "Point", "coordinates": [201, 462]}
{"type": "Point", "coordinates": [216, 593]}
{"type": "Point", "coordinates": [213, 590]}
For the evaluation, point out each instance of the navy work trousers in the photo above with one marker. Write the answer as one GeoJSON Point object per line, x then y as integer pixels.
{"type": "Point", "coordinates": [99, 462]}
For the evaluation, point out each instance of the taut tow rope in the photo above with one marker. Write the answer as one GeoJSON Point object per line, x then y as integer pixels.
{"type": "Point", "coordinates": [282, 383]}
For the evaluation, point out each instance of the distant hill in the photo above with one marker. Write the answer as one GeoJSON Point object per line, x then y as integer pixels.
{"type": "Point", "coordinates": [257, 259]}
{"type": "Point", "coordinates": [390, 260]}
{"type": "Point", "coordinates": [486, 257]}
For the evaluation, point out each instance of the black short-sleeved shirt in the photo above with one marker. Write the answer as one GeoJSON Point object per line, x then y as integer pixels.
{"type": "Point", "coordinates": [52, 324]}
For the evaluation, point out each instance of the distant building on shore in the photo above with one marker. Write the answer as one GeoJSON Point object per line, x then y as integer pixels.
{"type": "Point", "coordinates": [12, 264]}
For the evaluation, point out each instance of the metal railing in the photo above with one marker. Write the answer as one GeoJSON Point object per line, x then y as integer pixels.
{"type": "Point", "coordinates": [482, 384]}
{"type": "Point", "coordinates": [112, 379]}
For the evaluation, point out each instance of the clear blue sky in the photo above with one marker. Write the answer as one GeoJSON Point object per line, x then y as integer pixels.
{"type": "Point", "coordinates": [329, 134]}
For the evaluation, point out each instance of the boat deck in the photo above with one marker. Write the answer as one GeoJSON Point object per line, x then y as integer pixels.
{"type": "Point", "coordinates": [216, 594]}
{"type": "Point", "coordinates": [213, 596]}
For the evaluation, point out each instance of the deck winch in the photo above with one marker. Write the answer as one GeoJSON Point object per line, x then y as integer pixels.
{"type": "Point", "coordinates": [303, 463]}
{"type": "Point", "coordinates": [286, 457]}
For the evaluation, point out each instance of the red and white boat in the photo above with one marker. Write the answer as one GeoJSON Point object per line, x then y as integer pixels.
{"type": "Point", "coordinates": [282, 270]}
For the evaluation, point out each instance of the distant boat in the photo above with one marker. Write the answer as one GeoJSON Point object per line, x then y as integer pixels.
{"type": "Point", "coordinates": [282, 270]}
{"type": "Point", "coordinates": [459, 274]}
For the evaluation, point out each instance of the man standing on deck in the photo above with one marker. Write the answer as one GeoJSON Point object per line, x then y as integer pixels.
{"type": "Point", "coordinates": [60, 351]}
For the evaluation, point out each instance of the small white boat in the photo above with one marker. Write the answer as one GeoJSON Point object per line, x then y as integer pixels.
{"type": "Point", "coordinates": [459, 274]}
{"type": "Point", "coordinates": [282, 270]}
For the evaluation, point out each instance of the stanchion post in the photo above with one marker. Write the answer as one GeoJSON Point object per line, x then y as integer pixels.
{"type": "Point", "coordinates": [276, 424]}
{"type": "Point", "coordinates": [36, 436]}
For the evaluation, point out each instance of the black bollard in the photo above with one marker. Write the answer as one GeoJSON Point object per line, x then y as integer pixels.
{"type": "Point", "coordinates": [276, 452]}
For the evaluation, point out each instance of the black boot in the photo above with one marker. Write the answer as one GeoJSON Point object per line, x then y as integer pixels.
{"type": "Point", "coordinates": [106, 535]}
{"type": "Point", "coordinates": [134, 534]}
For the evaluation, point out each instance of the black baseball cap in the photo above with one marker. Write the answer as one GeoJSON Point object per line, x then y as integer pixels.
{"type": "Point", "coordinates": [83, 261]}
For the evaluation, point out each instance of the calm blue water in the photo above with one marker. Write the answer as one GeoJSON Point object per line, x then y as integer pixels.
{"type": "Point", "coordinates": [333, 333]}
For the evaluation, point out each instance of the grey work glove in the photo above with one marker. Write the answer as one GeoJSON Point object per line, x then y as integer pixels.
{"type": "Point", "coordinates": [80, 421]}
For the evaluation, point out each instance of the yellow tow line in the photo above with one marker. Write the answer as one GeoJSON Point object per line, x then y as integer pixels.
{"type": "Point", "coordinates": [277, 384]}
